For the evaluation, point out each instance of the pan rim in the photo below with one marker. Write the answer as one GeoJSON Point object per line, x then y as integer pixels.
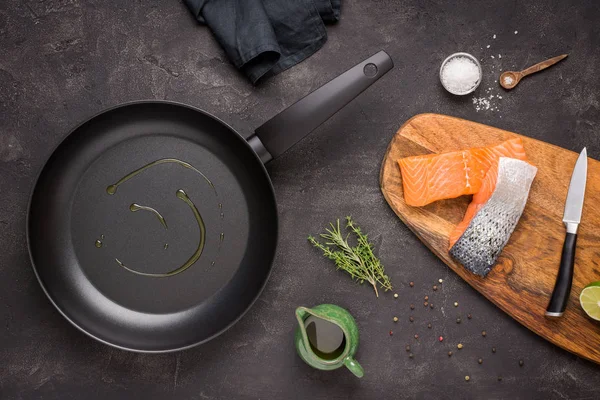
{"type": "Point", "coordinates": [81, 328]}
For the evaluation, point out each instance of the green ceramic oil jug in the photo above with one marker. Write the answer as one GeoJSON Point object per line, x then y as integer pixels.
{"type": "Point", "coordinates": [342, 335]}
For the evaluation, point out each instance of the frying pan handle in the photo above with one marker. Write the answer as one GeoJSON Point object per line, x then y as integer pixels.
{"type": "Point", "coordinates": [285, 129]}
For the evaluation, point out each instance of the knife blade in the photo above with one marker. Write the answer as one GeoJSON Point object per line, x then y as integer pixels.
{"type": "Point", "coordinates": [576, 193]}
{"type": "Point", "coordinates": [571, 219]}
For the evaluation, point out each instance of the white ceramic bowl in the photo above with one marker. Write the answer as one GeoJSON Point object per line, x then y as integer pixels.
{"type": "Point", "coordinates": [469, 56]}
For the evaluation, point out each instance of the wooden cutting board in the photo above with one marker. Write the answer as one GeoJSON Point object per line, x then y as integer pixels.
{"type": "Point", "coordinates": [522, 281]}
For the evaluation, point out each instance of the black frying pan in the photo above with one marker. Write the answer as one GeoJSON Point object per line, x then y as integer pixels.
{"type": "Point", "coordinates": [153, 225]}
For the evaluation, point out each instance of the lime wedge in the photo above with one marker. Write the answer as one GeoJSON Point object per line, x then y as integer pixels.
{"type": "Point", "coordinates": [590, 300]}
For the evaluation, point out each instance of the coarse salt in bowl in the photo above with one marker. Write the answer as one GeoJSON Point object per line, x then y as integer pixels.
{"type": "Point", "coordinates": [460, 73]}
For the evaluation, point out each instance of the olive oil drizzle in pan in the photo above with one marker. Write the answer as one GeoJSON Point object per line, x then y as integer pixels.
{"type": "Point", "coordinates": [112, 189]}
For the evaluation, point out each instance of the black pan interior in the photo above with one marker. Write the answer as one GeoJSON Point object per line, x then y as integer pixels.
{"type": "Point", "coordinates": [70, 210]}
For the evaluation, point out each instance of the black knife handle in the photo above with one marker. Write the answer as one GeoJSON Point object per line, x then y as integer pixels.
{"type": "Point", "coordinates": [562, 287]}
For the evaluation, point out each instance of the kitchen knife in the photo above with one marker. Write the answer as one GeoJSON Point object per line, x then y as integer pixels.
{"type": "Point", "coordinates": [571, 219]}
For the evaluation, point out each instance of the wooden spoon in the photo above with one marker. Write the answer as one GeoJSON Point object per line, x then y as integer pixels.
{"type": "Point", "coordinates": [510, 79]}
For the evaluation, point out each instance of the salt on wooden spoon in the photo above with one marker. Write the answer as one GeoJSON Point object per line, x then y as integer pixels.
{"type": "Point", "coordinates": [510, 79]}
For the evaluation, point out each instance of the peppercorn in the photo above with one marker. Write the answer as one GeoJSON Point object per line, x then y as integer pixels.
{"type": "Point", "coordinates": [469, 316]}
{"type": "Point", "coordinates": [458, 320]}
{"type": "Point", "coordinates": [416, 336]}
{"type": "Point", "coordinates": [430, 305]}
{"type": "Point", "coordinates": [411, 319]}
{"type": "Point", "coordinates": [412, 306]}
{"type": "Point", "coordinates": [493, 349]}
{"type": "Point", "coordinates": [449, 354]}
{"type": "Point", "coordinates": [425, 304]}
{"type": "Point", "coordinates": [429, 326]}
{"type": "Point", "coordinates": [499, 378]}
{"type": "Point", "coordinates": [483, 333]}
{"type": "Point", "coordinates": [426, 298]}
{"type": "Point", "coordinates": [407, 347]}
{"type": "Point", "coordinates": [411, 284]}
{"type": "Point", "coordinates": [410, 355]}
{"type": "Point", "coordinates": [434, 287]}
{"type": "Point", "coordinates": [521, 362]}
{"type": "Point", "coordinates": [480, 361]}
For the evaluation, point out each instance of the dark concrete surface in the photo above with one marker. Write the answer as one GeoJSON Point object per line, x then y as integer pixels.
{"type": "Point", "coordinates": [62, 61]}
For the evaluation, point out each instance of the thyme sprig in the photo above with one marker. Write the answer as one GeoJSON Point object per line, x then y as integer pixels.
{"type": "Point", "coordinates": [358, 261]}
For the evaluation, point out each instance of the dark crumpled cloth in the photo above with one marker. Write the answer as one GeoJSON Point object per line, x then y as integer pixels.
{"type": "Point", "coordinates": [265, 37]}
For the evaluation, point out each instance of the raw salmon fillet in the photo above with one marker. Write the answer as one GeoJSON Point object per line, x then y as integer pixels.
{"type": "Point", "coordinates": [480, 245]}
{"type": "Point", "coordinates": [433, 177]}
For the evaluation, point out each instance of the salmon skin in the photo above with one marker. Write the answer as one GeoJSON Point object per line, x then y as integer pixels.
{"type": "Point", "coordinates": [479, 246]}
{"type": "Point", "coordinates": [433, 177]}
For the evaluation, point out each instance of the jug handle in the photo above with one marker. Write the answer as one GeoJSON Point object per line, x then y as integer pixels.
{"type": "Point", "coordinates": [354, 367]}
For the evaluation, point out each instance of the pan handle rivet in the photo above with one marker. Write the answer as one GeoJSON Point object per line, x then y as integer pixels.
{"type": "Point", "coordinates": [370, 70]}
